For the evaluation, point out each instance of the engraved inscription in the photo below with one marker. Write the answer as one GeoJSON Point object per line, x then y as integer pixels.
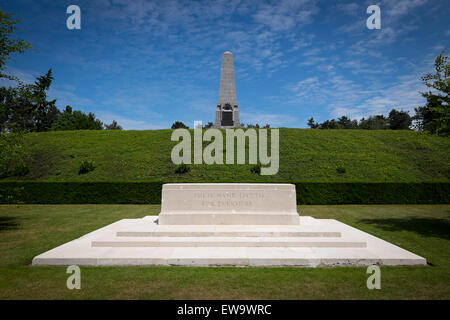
{"type": "Point", "coordinates": [226, 199]}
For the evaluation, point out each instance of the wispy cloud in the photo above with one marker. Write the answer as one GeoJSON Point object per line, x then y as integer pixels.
{"type": "Point", "coordinates": [351, 8]}
{"type": "Point", "coordinates": [286, 14]}
{"type": "Point", "coordinates": [399, 8]}
{"type": "Point", "coordinates": [274, 119]}
{"type": "Point", "coordinates": [131, 124]}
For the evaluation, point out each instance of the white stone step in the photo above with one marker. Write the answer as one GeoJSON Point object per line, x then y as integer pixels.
{"type": "Point", "coordinates": [224, 233]}
{"type": "Point", "coordinates": [148, 227]}
{"type": "Point", "coordinates": [227, 242]}
{"type": "Point", "coordinates": [81, 252]}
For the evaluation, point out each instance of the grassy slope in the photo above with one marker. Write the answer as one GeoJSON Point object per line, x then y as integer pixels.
{"type": "Point", "coordinates": [305, 155]}
{"type": "Point", "coordinates": [26, 231]}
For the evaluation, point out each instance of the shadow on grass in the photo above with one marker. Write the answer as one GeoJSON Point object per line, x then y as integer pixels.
{"type": "Point", "coordinates": [8, 223]}
{"type": "Point", "coordinates": [428, 227]}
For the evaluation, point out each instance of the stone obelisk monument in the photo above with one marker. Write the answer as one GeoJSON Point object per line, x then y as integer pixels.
{"type": "Point", "coordinates": [227, 112]}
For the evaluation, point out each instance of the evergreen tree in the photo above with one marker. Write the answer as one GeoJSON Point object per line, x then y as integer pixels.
{"type": "Point", "coordinates": [312, 124]}
{"type": "Point", "coordinates": [378, 122]}
{"type": "Point", "coordinates": [178, 125]}
{"type": "Point", "coordinates": [345, 123]}
{"type": "Point", "coordinates": [399, 120]}
{"type": "Point", "coordinates": [25, 107]}
{"type": "Point", "coordinates": [329, 124]}
{"type": "Point", "coordinates": [76, 120]}
{"type": "Point", "coordinates": [208, 125]}
{"type": "Point", "coordinates": [435, 115]}
{"type": "Point", "coordinates": [113, 126]}
{"type": "Point", "coordinates": [45, 112]}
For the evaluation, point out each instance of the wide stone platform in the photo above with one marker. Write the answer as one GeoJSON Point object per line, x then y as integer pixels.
{"type": "Point", "coordinates": [228, 225]}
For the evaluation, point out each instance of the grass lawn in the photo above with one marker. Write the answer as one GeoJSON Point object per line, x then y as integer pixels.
{"type": "Point", "coordinates": [28, 230]}
{"type": "Point", "coordinates": [305, 155]}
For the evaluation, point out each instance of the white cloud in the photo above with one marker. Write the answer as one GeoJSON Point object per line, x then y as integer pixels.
{"type": "Point", "coordinates": [275, 120]}
{"type": "Point", "coordinates": [403, 95]}
{"type": "Point", "coordinates": [312, 52]}
{"type": "Point", "coordinates": [349, 8]}
{"type": "Point", "coordinates": [286, 14]}
{"type": "Point", "coordinates": [130, 124]}
{"type": "Point", "coordinates": [356, 99]}
{"type": "Point", "coordinates": [398, 8]}
{"type": "Point", "coordinates": [307, 87]}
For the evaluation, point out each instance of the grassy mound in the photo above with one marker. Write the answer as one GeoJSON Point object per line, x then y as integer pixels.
{"type": "Point", "coordinates": [305, 155]}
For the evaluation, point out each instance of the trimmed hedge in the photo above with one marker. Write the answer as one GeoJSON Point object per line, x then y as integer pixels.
{"type": "Point", "coordinates": [373, 193]}
{"type": "Point", "coordinates": [39, 192]}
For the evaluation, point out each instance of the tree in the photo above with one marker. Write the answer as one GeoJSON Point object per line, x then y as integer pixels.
{"type": "Point", "coordinates": [25, 107]}
{"type": "Point", "coordinates": [329, 124]}
{"type": "Point", "coordinates": [378, 122]}
{"type": "Point", "coordinates": [399, 120]}
{"type": "Point", "coordinates": [426, 116]}
{"type": "Point", "coordinates": [45, 112]}
{"type": "Point", "coordinates": [76, 120]}
{"type": "Point", "coordinates": [312, 124]}
{"type": "Point", "coordinates": [208, 125]}
{"type": "Point", "coordinates": [178, 125]}
{"type": "Point", "coordinates": [435, 115]}
{"type": "Point", "coordinates": [113, 126]}
{"type": "Point", "coordinates": [345, 123]}
{"type": "Point", "coordinates": [8, 45]}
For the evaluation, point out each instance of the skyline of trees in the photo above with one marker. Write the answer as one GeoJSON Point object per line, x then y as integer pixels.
{"type": "Point", "coordinates": [396, 120]}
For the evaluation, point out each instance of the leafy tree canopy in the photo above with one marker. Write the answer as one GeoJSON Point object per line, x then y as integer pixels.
{"type": "Point", "coordinates": [178, 125]}
{"type": "Point", "coordinates": [397, 120]}
{"type": "Point", "coordinates": [8, 45]}
{"type": "Point", "coordinates": [76, 120]}
{"type": "Point", "coordinates": [113, 126]}
{"type": "Point", "coordinates": [26, 108]}
{"type": "Point", "coordinates": [435, 115]}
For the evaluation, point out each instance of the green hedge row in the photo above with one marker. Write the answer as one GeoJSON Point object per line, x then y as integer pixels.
{"type": "Point", "coordinates": [80, 192]}
{"type": "Point", "coordinates": [373, 193]}
{"type": "Point", "coordinates": [38, 192]}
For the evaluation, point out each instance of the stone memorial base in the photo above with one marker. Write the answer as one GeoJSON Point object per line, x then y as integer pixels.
{"type": "Point", "coordinates": [228, 225]}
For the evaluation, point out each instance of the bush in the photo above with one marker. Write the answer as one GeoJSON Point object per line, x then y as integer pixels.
{"type": "Point", "coordinates": [341, 169]}
{"type": "Point", "coordinates": [86, 166]}
{"type": "Point", "coordinates": [256, 169]}
{"type": "Point", "coordinates": [182, 168]}
{"type": "Point", "coordinates": [20, 170]}
{"type": "Point", "coordinates": [12, 155]}
{"type": "Point", "coordinates": [178, 125]}
{"type": "Point", "coordinates": [113, 126]}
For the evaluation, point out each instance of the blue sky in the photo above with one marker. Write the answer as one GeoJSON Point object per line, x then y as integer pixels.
{"type": "Point", "coordinates": [147, 64]}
